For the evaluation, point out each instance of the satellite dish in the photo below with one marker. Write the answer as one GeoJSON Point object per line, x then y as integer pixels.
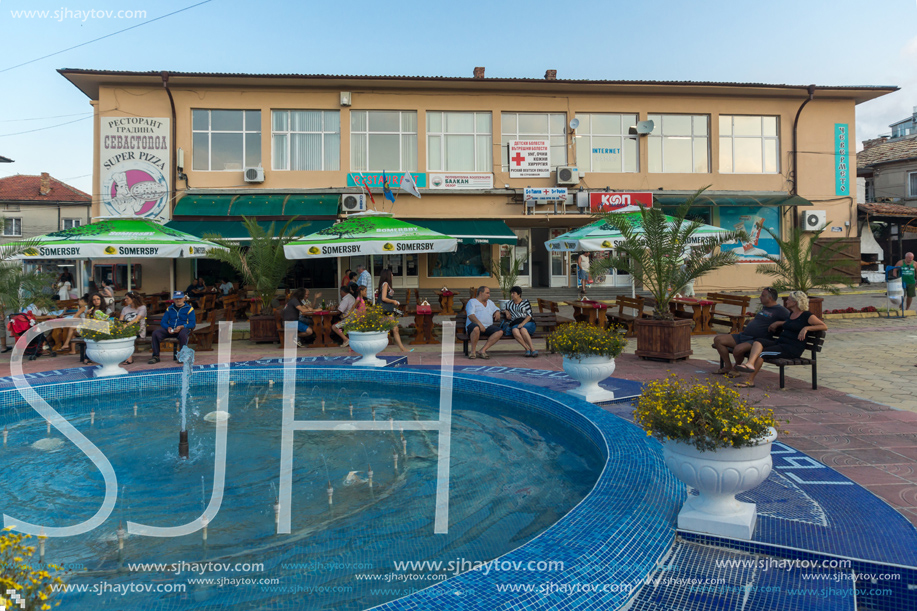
{"type": "Point", "coordinates": [645, 127]}
{"type": "Point", "coordinates": [574, 123]}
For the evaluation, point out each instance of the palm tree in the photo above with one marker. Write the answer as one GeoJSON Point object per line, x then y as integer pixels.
{"type": "Point", "coordinates": [18, 287]}
{"type": "Point", "coordinates": [506, 271]}
{"type": "Point", "coordinates": [800, 268]}
{"type": "Point", "coordinates": [663, 254]}
{"type": "Point", "coordinates": [262, 264]}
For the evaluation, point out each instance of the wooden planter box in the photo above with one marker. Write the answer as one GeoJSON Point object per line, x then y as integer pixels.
{"type": "Point", "coordinates": [669, 340]}
{"type": "Point", "coordinates": [263, 329]}
{"type": "Point", "coordinates": [815, 305]}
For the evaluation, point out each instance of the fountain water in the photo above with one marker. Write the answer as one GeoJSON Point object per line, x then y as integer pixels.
{"type": "Point", "coordinates": [186, 358]}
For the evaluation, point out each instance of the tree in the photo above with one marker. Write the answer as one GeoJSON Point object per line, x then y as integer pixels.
{"type": "Point", "coordinates": [18, 287]}
{"type": "Point", "coordinates": [800, 268]}
{"type": "Point", "coordinates": [262, 263]}
{"type": "Point", "coordinates": [506, 271]}
{"type": "Point", "coordinates": [663, 254]}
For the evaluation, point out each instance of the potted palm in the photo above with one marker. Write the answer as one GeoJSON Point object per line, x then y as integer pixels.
{"type": "Point", "coordinates": [368, 334]}
{"type": "Point", "coordinates": [262, 265]}
{"type": "Point", "coordinates": [589, 357]}
{"type": "Point", "coordinates": [802, 267]}
{"type": "Point", "coordinates": [109, 342]}
{"type": "Point", "coordinates": [714, 441]}
{"type": "Point", "coordinates": [18, 287]}
{"type": "Point", "coordinates": [506, 272]}
{"type": "Point", "coordinates": [664, 253]}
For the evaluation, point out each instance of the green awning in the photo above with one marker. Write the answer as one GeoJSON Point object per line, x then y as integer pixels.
{"type": "Point", "coordinates": [479, 231]}
{"type": "Point", "coordinates": [255, 204]}
{"type": "Point", "coordinates": [733, 199]}
{"type": "Point", "coordinates": [235, 230]}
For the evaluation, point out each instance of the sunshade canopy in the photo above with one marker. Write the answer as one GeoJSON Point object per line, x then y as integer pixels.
{"type": "Point", "coordinates": [369, 233]}
{"type": "Point", "coordinates": [600, 235]}
{"type": "Point", "coordinates": [118, 238]}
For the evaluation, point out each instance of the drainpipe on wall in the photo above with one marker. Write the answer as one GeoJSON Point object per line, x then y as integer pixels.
{"type": "Point", "coordinates": [172, 171]}
{"type": "Point", "coordinates": [811, 90]}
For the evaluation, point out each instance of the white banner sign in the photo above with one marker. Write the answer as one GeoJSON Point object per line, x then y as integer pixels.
{"type": "Point", "coordinates": [551, 194]}
{"type": "Point", "coordinates": [529, 159]}
{"type": "Point", "coordinates": [461, 181]}
{"type": "Point", "coordinates": [134, 158]}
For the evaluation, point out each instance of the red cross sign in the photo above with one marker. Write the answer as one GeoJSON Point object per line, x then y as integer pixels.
{"type": "Point", "coordinates": [518, 159]}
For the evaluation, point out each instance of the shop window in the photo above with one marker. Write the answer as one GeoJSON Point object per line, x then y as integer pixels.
{"type": "Point", "coordinates": [679, 144]}
{"type": "Point", "coordinates": [117, 274]}
{"type": "Point", "coordinates": [70, 223]}
{"type": "Point", "coordinates": [383, 140]}
{"type": "Point", "coordinates": [12, 227]}
{"type": "Point", "coordinates": [749, 145]}
{"type": "Point", "coordinates": [306, 140]}
{"type": "Point", "coordinates": [225, 140]}
{"type": "Point", "coordinates": [603, 143]}
{"type": "Point", "coordinates": [468, 260]}
{"type": "Point", "coordinates": [701, 213]}
{"type": "Point", "coordinates": [459, 142]}
{"type": "Point", "coordinates": [535, 126]}
{"type": "Point", "coordinates": [912, 184]}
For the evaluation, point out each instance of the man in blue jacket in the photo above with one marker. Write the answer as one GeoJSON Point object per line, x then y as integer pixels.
{"type": "Point", "coordinates": [178, 321]}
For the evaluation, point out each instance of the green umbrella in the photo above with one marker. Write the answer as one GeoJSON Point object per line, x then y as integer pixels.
{"type": "Point", "coordinates": [600, 235]}
{"type": "Point", "coordinates": [369, 233]}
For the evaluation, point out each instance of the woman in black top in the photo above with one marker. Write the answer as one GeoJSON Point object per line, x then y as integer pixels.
{"type": "Point", "coordinates": [389, 303]}
{"type": "Point", "coordinates": [792, 339]}
{"type": "Point", "coordinates": [519, 320]}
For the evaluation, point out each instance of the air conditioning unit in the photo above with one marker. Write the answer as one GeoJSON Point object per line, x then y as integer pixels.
{"type": "Point", "coordinates": [353, 202]}
{"type": "Point", "coordinates": [814, 220]}
{"type": "Point", "coordinates": [254, 174]}
{"type": "Point", "coordinates": [567, 176]}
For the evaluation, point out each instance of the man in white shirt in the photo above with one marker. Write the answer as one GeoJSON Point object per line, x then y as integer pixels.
{"type": "Point", "coordinates": [483, 318]}
{"type": "Point", "coordinates": [226, 287]}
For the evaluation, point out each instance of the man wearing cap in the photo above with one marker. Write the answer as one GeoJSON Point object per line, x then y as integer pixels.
{"type": "Point", "coordinates": [178, 321]}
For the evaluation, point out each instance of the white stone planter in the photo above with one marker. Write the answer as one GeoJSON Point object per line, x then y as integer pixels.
{"type": "Point", "coordinates": [109, 353]}
{"type": "Point", "coordinates": [718, 476]}
{"type": "Point", "coordinates": [589, 371]}
{"type": "Point", "coordinates": [368, 345]}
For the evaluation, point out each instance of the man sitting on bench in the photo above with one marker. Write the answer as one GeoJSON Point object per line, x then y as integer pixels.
{"type": "Point", "coordinates": [482, 312]}
{"type": "Point", "coordinates": [756, 328]}
{"type": "Point", "coordinates": [178, 322]}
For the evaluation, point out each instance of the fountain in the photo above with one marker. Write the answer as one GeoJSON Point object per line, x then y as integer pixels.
{"type": "Point", "coordinates": [186, 358]}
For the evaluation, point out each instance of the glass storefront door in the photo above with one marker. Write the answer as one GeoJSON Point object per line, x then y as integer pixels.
{"type": "Point", "coordinates": [560, 263]}
{"type": "Point", "coordinates": [404, 268]}
{"type": "Point", "coordinates": [612, 277]}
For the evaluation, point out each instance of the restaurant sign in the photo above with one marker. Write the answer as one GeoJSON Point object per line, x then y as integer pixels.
{"type": "Point", "coordinates": [134, 157]}
{"type": "Point", "coordinates": [373, 180]}
{"type": "Point", "coordinates": [461, 181]}
{"type": "Point", "coordinates": [841, 160]}
{"type": "Point", "coordinates": [619, 202]}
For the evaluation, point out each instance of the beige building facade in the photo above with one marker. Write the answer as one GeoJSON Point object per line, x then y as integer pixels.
{"type": "Point", "coordinates": [314, 138]}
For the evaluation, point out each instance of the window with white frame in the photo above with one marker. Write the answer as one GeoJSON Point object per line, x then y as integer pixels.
{"type": "Point", "coordinates": [306, 140]}
{"type": "Point", "coordinates": [749, 145]}
{"type": "Point", "coordinates": [535, 126]}
{"type": "Point", "coordinates": [679, 144]}
{"type": "Point", "coordinates": [225, 140]}
{"type": "Point", "coordinates": [459, 142]}
{"type": "Point", "coordinates": [12, 227]}
{"type": "Point", "coordinates": [71, 223]}
{"type": "Point", "coordinates": [603, 143]}
{"type": "Point", "coordinates": [383, 140]}
{"type": "Point", "coordinates": [912, 184]}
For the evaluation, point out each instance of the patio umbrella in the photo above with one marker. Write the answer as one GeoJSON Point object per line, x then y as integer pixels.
{"type": "Point", "coordinates": [600, 235]}
{"type": "Point", "coordinates": [369, 233]}
{"type": "Point", "coordinates": [119, 238]}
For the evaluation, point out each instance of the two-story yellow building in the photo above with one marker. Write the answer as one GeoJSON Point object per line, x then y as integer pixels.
{"type": "Point", "coordinates": [201, 150]}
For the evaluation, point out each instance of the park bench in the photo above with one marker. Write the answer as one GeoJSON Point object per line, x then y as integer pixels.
{"type": "Point", "coordinates": [551, 306]}
{"type": "Point", "coordinates": [814, 342]}
{"type": "Point", "coordinates": [627, 320]}
{"type": "Point", "coordinates": [735, 321]}
{"type": "Point", "coordinates": [545, 323]}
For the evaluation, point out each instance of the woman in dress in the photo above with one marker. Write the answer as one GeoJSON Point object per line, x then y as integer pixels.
{"type": "Point", "coordinates": [520, 320]}
{"type": "Point", "coordinates": [791, 342]}
{"type": "Point", "coordinates": [134, 310]}
{"type": "Point", "coordinates": [389, 303]}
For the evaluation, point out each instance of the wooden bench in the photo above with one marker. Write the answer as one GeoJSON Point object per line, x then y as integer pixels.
{"type": "Point", "coordinates": [627, 320]}
{"type": "Point", "coordinates": [814, 343]}
{"type": "Point", "coordinates": [552, 307]}
{"type": "Point", "coordinates": [545, 323]}
{"type": "Point", "coordinates": [735, 322]}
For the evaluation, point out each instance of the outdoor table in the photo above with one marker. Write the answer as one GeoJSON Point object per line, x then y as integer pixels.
{"type": "Point", "coordinates": [701, 313]}
{"type": "Point", "coordinates": [423, 324]}
{"type": "Point", "coordinates": [445, 302]}
{"type": "Point", "coordinates": [321, 320]}
{"type": "Point", "coordinates": [594, 311]}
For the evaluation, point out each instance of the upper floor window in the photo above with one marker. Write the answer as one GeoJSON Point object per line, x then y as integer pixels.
{"type": "Point", "coordinates": [459, 142]}
{"type": "Point", "coordinates": [535, 126]}
{"type": "Point", "coordinates": [306, 140]}
{"type": "Point", "coordinates": [12, 227]}
{"type": "Point", "coordinates": [604, 145]}
{"type": "Point", "coordinates": [912, 184]}
{"type": "Point", "coordinates": [383, 140]}
{"type": "Point", "coordinates": [749, 145]}
{"type": "Point", "coordinates": [679, 144]}
{"type": "Point", "coordinates": [71, 223]}
{"type": "Point", "coordinates": [225, 139]}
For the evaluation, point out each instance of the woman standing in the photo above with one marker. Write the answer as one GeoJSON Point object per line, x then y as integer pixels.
{"type": "Point", "coordinates": [108, 295]}
{"type": "Point", "coordinates": [134, 310]}
{"type": "Point", "coordinates": [792, 339]}
{"type": "Point", "coordinates": [520, 320]}
{"type": "Point", "coordinates": [389, 303]}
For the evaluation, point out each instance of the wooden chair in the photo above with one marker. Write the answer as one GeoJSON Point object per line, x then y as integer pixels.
{"type": "Point", "coordinates": [735, 321]}
{"type": "Point", "coordinates": [624, 319]}
{"type": "Point", "coordinates": [229, 306]}
{"type": "Point", "coordinates": [203, 335]}
{"type": "Point", "coordinates": [552, 306]}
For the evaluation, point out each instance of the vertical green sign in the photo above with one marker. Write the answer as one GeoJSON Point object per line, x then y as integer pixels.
{"type": "Point", "coordinates": [841, 160]}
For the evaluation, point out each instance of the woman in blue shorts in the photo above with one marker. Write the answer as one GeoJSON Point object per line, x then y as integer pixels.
{"type": "Point", "coordinates": [520, 321]}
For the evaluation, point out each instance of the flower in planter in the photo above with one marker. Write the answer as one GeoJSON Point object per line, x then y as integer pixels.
{"type": "Point", "coordinates": [707, 415]}
{"type": "Point", "coordinates": [101, 328]}
{"type": "Point", "coordinates": [583, 339]}
{"type": "Point", "coordinates": [373, 320]}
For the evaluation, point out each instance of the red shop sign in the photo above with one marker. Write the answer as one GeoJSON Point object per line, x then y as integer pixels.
{"type": "Point", "coordinates": [619, 202]}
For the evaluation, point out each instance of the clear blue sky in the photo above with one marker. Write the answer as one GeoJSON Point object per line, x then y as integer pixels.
{"type": "Point", "coordinates": [837, 42]}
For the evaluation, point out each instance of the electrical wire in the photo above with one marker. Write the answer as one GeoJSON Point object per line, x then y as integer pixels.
{"type": "Point", "coordinates": [39, 129]}
{"type": "Point", "coordinates": [77, 114]}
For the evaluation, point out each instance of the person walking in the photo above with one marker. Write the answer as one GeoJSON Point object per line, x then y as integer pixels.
{"type": "Point", "coordinates": [582, 271]}
{"type": "Point", "coordinates": [908, 275]}
{"type": "Point", "coordinates": [364, 278]}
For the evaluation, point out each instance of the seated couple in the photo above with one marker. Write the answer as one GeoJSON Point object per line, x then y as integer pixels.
{"type": "Point", "coordinates": [485, 318]}
{"type": "Point", "coordinates": [756, 341]}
